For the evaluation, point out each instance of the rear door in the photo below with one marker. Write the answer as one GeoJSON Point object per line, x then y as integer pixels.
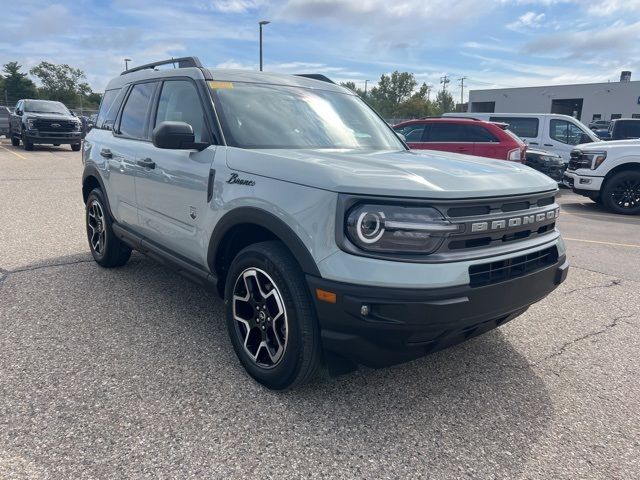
{"type": "Point", "coordinates": [448, 137]}
{"type": "Point", "coordinates": [173, 186]}
{"type": "Point", "coordinates": [485, 143]}
{"type": "Point", "coordinates": [122, 150]}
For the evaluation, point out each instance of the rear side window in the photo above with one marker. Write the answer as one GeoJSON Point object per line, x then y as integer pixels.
{"type": "Point", "coordinates": [111, 101]}
{"type": "Point", "coordinates": [478, 134]}
{"type": "Point", "coordinates": [628, 129]}
{"type": "Point", "coordinates": [521, 126]}
{"type": "Point", "coordinates": [447, 132]}
{"type": "Point", "coordinates": [134, 113]}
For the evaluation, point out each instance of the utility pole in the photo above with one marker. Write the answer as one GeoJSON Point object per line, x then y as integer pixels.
{"type": "Point", "coordinates": [366, 83]}
{"type": "Point", "coordinates": [462, 79]}
{"type": "Point", "coordinates": [262, 23]}
{"type": "Point", "coordinates": [444, 80]}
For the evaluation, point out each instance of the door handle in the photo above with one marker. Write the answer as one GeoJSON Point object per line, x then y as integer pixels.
{"type": "Point", "coordinates": [533, 143]}
{"type": "Point", "coordinates": [146, 163]}
{"type": "Point", "coordinates": [106, 153]}
{"type": "Point", "coordinates": [548, 145]}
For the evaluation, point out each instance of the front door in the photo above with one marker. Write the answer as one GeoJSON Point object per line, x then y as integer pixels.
{"type": "Point", "coordinates": [172, 185]}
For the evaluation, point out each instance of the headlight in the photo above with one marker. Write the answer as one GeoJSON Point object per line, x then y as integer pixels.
{"type": "Point", "coordinates": [31, 123]}
{"type": "Point", "coordinates": [78, 126]}
{"type": "Point", "coordinates": [594, 159]}
{"type": "Point", "coordinates": [397, 229]}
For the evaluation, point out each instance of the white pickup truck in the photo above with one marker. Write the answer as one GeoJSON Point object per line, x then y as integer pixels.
{"type": "Point", "coordinates": [608, 173]}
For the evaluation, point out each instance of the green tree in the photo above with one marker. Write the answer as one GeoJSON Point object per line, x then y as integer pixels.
{"type": "Point", "coordinates": [65, 84]}
{"type": "Point", "coordinates": [391, 91]}
{"type": "Point", "coordinates": [15, 84]}
{"type": "Point", "coordinates": [444, 102]}
{"type": "Point", "coordinates": [352, 86]}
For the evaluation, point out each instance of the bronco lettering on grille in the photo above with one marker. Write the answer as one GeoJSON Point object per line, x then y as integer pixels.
{"type": "Point", "coordinates": [512, 222]}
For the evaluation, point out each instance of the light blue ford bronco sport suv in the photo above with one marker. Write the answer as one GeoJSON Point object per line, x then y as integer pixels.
{"type": "Point", "coordinates": [330, 242]}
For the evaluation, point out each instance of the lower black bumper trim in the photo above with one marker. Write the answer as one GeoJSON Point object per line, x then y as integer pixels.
{"type": "Point", "coordinates": [403, 324]}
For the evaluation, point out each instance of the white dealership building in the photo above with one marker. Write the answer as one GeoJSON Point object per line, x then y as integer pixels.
{"type": "Point", "coordinates": [587, 102]}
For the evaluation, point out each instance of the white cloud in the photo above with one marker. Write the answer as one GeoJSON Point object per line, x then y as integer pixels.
{"type": "Point", "coordinates": [526, 21]}
{"type": "Point", "coordinates": [237, 6]}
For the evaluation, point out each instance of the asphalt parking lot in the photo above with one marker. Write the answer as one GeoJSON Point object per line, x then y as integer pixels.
{"type": "Point", "coordinates": [128, 373]}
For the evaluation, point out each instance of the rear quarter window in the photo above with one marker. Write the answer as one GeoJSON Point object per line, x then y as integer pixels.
{"type": "Point", "coordinates": [111, 101]}
{"type": "Point", "coordinates": [522, 126]}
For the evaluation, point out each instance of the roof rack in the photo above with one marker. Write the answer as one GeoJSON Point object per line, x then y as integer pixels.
{"type": "Point", "coordinates": [183, 62]}
{"type": "Point", "coordinates": [316, 76]}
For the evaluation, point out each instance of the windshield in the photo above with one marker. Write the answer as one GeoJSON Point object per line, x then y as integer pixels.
{"type": "Point", "coordinates": [42, 106]}
{"type": "Point", "coordinates": [277, 116]}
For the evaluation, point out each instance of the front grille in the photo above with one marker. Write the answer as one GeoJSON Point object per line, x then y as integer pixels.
{"type": "Point", "coordinates": [500, 271]}
{"type": "Point", "coordinates": [46, 125]}
{"type": "Point", "coordinates": [578, 161]}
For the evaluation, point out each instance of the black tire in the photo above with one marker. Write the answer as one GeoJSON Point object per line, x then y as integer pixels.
{"type": "Point", "coordinates": [107, 249]}
{"type": "Point", "coordinates": [621, 193]}
{"type": "Point", "coordinates": [28, 145]}
{"type": "Point", "coordinates": [300, 357]}
{"type": "Point", "coordinates": [56, 144]}
{"type": "Point", "coordinates": [15, 141]}
{"type": "Point", "coordinates": [75, 147]}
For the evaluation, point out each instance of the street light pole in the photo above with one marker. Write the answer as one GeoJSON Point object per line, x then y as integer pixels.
{"type": "Point", "coordinates": [126, 63]}
{"type": "Point", "coordinates": [262, 23]}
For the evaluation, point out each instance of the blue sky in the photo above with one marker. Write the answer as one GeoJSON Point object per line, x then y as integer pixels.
{"type": "Point", "coordinates": [495, 43]}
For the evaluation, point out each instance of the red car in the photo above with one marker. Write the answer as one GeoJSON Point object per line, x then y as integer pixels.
{"type": "Point", "coordinates": [463, 135]}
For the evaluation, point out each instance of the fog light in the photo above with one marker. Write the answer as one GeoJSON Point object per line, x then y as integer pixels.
{"type": "Point", "coordinates": [364, 310]}
{"type": "Point", "coordinates": [585, 181]}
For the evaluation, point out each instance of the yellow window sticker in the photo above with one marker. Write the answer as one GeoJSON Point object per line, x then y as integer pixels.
{"type": "Point", "coordinates": [217, 85]}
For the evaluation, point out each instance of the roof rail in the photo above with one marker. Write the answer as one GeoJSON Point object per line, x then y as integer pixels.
{"type": "Point", "coordinates": [183, 62]}
{"type": "Point", "coordinates": [316, 76]}
{"type": "Point", "coordinates": [453, 116]}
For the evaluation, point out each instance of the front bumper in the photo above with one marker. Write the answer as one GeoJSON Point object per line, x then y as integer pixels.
{"type": "Point", "coordinates": [404, 324]}
{"type": "Point", "coordinates": [35, 136]}
{"type": "Point", "coordinates": [579, 182]}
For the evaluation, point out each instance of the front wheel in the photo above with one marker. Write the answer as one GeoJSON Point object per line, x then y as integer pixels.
{"type": "Point", "coordinates": [15, 141]}
{"type": "Point", "coordinates": [28, 144]}
{"type": "Point", "coordinates": [621, 193]}
{"type": "Point", "coordinates": [270, 317]}
{"type": "Point", "coordinates": [75, 147]}
{"type": "Point", "coordinates": [107, 249]}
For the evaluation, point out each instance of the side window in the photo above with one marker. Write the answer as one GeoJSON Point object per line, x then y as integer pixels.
{"type": "Point", "coordinates": [478, 134]}
{"type": "Point", "coordinates": [109, 107]}
{"type": "Point", "coordinates": [565, 132]}
{"type": "Point", "coordinates": [596, 116]}
{"type": "Point", "coordinates": [522, 126]}
{"type": "Point", "coordinates": [447, 132]}
{"type": "Point", "coordinates": [179, 102]}
{"type": "Point", "coordinates": [134, 113]}
{"type": "Point", "coordinates": [628, 129]}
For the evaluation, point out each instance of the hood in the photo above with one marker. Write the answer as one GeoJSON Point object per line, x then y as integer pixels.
{"type": "Point", "coordinates": [50, 116]}
{"type": "Point", "coordinates": [632, 142]}
{"type": "Point", "coordinates": [400, 173]}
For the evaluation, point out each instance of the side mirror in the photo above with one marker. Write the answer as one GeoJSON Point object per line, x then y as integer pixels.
{"type": "Point", "coordinates": [402, 137]}
{"type": "Point", "coordinates": [584, 138]}
{"type": "Point", "coordinates": [19, 112]}
{"type": "Point", "coordinates": [176, 136]}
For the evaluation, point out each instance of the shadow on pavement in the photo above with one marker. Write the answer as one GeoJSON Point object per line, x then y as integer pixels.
{"type": "Point", "coordinates": [131, 370]}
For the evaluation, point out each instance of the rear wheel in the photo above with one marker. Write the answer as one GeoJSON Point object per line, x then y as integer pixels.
{"type": "Point", "coordinates": [107, 249]}
{"type": "Point", "coordinates": [56, 144]}
{"type": "Point", "coordinates": [270, 317]}
{"type": "Point", "coordinates": [621, 193]}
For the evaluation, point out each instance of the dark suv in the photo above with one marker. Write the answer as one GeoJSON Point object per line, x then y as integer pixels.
{"type": "Point", "coordinates": [44, 122]}
{"type": "Point", "coordinates": [624, 129]}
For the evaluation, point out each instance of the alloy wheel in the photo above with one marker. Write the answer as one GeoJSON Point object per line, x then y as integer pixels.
{"type": "Point", "coordinates": [260, 317]}
{"type": "Point", "coordinates": [97, 228]}
{"type": "Point", "coordinates": [626, 194]}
